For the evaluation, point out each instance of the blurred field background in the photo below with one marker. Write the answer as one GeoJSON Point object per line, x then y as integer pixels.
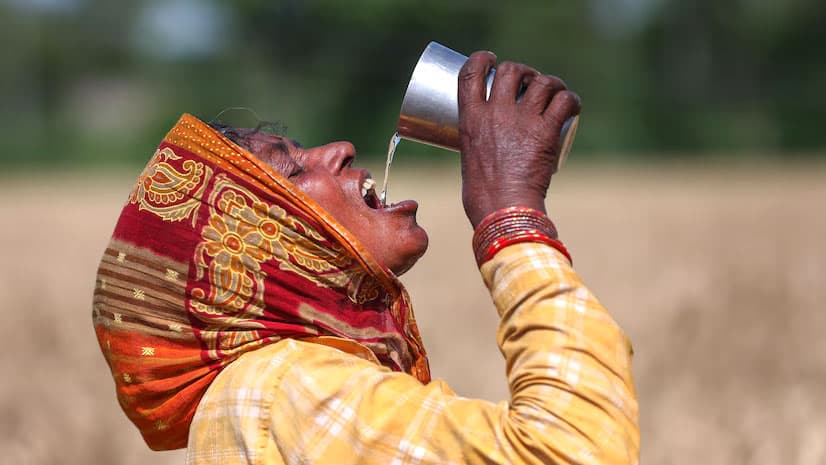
{"type": "Point", "coordinates": [716, 274]}
{"type": "Point", "coordinates": [694, 201]}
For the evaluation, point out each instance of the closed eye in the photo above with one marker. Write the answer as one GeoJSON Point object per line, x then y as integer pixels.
{"type": "Point", "coordinates": [284, 162]}
{"type": "Point", "coordinates": [297, 170]}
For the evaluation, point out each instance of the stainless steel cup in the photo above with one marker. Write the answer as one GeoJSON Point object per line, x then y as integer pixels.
{"type": "Point", "coordinates": [430, 109]}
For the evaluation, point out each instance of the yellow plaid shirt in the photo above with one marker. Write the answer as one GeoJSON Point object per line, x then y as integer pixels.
{"type": "Point", "coordinates": [568, 367]}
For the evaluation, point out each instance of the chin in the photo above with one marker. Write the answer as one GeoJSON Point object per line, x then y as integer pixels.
{"type": "Point", "coordinates": [413, 249]}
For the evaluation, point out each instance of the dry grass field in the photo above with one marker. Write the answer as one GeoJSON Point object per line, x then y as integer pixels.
{"type": "Point", "coordinates": [717, 274]}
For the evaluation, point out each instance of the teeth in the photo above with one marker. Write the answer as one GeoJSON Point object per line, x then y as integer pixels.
{"type": "Point", "coordinates": [367, 186]}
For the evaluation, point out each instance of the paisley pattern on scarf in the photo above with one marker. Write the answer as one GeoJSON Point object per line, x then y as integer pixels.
{"type": "Point", "coordinates": [167, 192]}
{"type": "Point", "coordinates": [215, 254]}
{"type": "Point", "coordinates": [242, 233]}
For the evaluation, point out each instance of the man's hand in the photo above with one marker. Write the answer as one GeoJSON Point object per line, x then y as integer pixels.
{"type": "Point", "coordinates": [509, 147]}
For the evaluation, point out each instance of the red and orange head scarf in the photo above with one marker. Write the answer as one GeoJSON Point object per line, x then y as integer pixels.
{"type": "Point", "coordinates": [215, 254]}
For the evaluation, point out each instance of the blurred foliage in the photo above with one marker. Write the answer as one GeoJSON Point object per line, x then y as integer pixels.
{"type": "Point", "coordinates": [100, 81]}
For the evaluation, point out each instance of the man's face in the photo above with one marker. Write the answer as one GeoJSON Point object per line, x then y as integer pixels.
{"type": "Point", "coordinates": [324, 173]}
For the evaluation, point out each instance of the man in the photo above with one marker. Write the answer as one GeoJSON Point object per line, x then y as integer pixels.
{"type": "Point", "coordinates": [249, 309]}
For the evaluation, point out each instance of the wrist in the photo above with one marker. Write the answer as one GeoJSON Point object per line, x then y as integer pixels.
{"type": "Point", "coordinates": [480, 210]}
{"type": "Point", "coordinates": [513, 225]}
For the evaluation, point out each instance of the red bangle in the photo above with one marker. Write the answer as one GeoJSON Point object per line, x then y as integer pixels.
{"type": "Point", "coordinates": [510, 226]}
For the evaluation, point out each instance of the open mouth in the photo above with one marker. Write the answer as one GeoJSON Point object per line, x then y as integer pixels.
{"type": "Point", "coordinates": [368, 193]}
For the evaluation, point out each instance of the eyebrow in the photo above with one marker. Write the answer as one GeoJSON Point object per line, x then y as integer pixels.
{"type": "Point", "coordinates": [280, 146]}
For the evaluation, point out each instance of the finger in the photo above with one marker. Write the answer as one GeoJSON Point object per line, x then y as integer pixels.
{"type": "Point", "coordinates": [508, 81]}
{"type": "Point", "coordinates": [472, 78]}
{"type": "Point", "coordinates": [564, 105]}
{"type": "Point", "coordinates": [541, 90]}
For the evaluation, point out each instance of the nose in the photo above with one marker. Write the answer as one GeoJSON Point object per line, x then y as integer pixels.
{"type": "Point", "coordinates": [334, 156]}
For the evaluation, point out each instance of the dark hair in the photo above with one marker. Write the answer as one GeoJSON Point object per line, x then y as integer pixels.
{"type": "Point", "coordinates": [240, 135]}
{"type": "Point", "coordinates": [231, 133]}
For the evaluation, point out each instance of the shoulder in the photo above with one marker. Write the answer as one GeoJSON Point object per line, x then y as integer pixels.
{"type": "Point", "coordinates": [295, 377]}
{"type": "Point", "coordinates": [267, 366]}
{"type": "Point", "coordinates": [233, 418]}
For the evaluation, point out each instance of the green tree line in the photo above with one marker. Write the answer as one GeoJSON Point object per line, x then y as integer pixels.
{"type": "Point", "coordinates": [99, 81]}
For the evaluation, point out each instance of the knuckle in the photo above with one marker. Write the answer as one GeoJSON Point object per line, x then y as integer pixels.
{"type": "Point", "coordinates": [482, 55]}
{"type": "Point", "coordinates": [466, 69]}
{"type": "Point", "coordinates": [466, 74]}
{"type": "Point", "coordinates": [507, 67]}
{"type": "Point", "coordinates": [552, 120]}
{"type": "Point", "coordinates": [477, 62]}
{"type": "Point", "coordinates": [531, 71]}
{"type": "Point", "coordinates": [556, 80]}
{"type": "Point", "coordinates": [543, 80]}
{"type": "Point", "coordinates": [571, 99]}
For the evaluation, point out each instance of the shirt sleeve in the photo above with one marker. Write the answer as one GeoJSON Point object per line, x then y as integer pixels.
{"type": "Point", "coordinates": [568, 367]}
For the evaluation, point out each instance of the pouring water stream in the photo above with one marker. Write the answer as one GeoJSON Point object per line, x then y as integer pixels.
{"type": "Point", "coordinates": [391, 151]}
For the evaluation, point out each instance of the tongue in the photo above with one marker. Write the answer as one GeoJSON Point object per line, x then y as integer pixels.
{"type": "Point", "coordinates": [372, 200]}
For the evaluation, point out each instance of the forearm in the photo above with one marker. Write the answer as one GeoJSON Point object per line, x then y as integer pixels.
{"type": "Point", "coordinates": [568, 362]}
